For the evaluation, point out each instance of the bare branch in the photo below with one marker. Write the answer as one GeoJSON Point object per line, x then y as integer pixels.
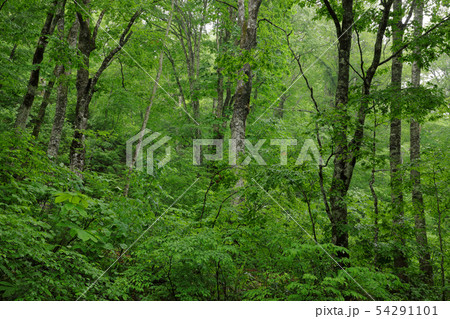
{"type": "Point", "coordinates": [97, 25]}
{"type": "Point", "coordinates": [125, 36]}
{"type": "Point", "coordinates": [360, 53]}
{"type": "Point", "coordinates": [270, 22]}
{"type": "Point", "coordinates": [333, 16]}
{"type": "Point", "coordinates": [228, 4]}
{"type": "Point", "coordinates": [411, 10]}
{"type": "Point", "coordinates": [4, 2]}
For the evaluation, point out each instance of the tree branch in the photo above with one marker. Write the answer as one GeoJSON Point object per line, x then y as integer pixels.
{"type": "Point", "coordinates": [360, 53]}
{"type": "Point", "coordinates": [443, 21]}
{"type": "Point", "coordinates": [270, 22]}
{"type": "Point", "coordinates": [411, 10]}
{"type": "Point", "coordinates": [97, 25]}
{"type": "Point", "coordinates": [4, 2]}
{"type": "Point", "coordinates": [125, 36]}
{"type": "Point", "coordinates": [226, 3]}
{"type": "Point", "coordinates": [333, 16]}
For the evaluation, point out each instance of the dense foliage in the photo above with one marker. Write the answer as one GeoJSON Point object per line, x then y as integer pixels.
{"type": "Point", "coordinates": [95, 229]}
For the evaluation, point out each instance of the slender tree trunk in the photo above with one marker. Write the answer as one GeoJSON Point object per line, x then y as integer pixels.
{"type": "Point", "coordinates": [43, 107]}
{"type": "Point", "coordinates": [222, 39]}
{"type": "Point", "coordinates": [244, 84]}
{"type": "Point", "coordinates": [86, 44]}
{"type": "Point", "coordinates": [279, 111]}
{"type": "Point", "coordinates": [400, 259]}
{"type": "Point", "coordinates": [417, 197]}
{"type": "Point", "coordinates": [190, 39]}
{"type": "Point", "coordinates": [374, 194]}
{"type": "Point", "coordinates": [441, 241]}
{"type": "Point", "coordinates": [339, 183]}
{"type": "Point", "coordinates": [219, 107]}
{"type": "Point", "coordinates": [48, 28]}
{"type": "Point", "coordinates": [197, 47]}
{"type": "Point", "coordinates": [59, 69]}
{"type": "Point", "coordinates": [61, 98]}
{"type": "Point", "coordinates": [13, 52]}
{"type": "Point", "coordinates": [311, 216]}
{"type": "Point", "coordinates": [149, 107]}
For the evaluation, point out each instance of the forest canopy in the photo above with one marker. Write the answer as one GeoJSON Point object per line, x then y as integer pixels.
{"type": "Point", "coordinates": [224, 150]}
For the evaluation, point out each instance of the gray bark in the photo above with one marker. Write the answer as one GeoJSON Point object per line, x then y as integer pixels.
{"type": "Point", "coordinates": [441, 240]}
{"type": "Point", "coordinates": [340, 180]}
{"type": "Point", "coordinates": [417, 197]}
{"type": "Point", "coordinates": [395, 157]}
{"type": "Point", "coordinates": [61, 98]}
{"type": "Point", "coordinates": [347, 153]}
{"type": "Point", "coordinates": [244, 83]}
{"type": "Point", "coordinates": [374, 194]}
{"type": "Point", "coordinates": [43, 107]}
{"type": "Point", "coordinates": [86, 44]}
{"type": "Point", "coordinates": [59, 69]}
{"type": "Point", "coordinates": [190, 39]}
{"type": "Point", "coordinates": [279, 111]}
{"type": "Point", "coordinates": [86, 85]}
{"type": "Point", "coordinates": [33, 82]}
{"type": "Point", "coordinates": [219, 109]}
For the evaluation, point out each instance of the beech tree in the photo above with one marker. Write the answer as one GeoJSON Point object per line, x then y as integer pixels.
{"type": "Point", "coordinates": [339, 201]}
{"type": "Point", "coordinates": [247, 19]}
{"type": "Point", "coordinates": [64, 73]}
{"type": "Point", "coordinates": [56, 11]}
{"type": "Point", "coordinates": [85, 84]}
{"type": "Point", "coordinates": [416, 192]}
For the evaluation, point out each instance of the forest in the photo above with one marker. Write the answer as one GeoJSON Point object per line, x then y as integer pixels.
{"type": "Point", "coordinates": [240, 150]}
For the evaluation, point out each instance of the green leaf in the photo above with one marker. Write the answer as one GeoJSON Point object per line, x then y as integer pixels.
{"type": "Point", "coordinates": [62, 197]}
{"type": "Point", "coordinates": [85, 235]}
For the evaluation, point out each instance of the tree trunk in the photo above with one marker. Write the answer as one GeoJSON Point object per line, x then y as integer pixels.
{"type": "Point", "coordinates": [374, 194]}
{"type": "Point", "coordinates": [190, 43]}
{"type": "Point", "coordinates": [222, 39]}
{"type": "Point", "coordinates": [441, 240]}
{"type": "Point", "coordinates": [400, 259]}
{"type": "Point", "coordinates": [218, 109]}
{"type": "Point", "coordinates": [42, 109]}
{"type": "Point", "coordinates": [86, 44]}
{"type": "Point", "coordinates": [244, 84]}
{"type": "Point", "coordinates": [417, 198]}
{"type": "Point", "coordinates": [339, 182]}
{"type": "Point", "coordinates": [13, 52]}
{"type": "Point", "coordinates": [279, 111]}
{"type": "Point", "coordinates": [347, 153]}
{"type": "Point", "coordinates": [48, 28]}
{"type": "Point", "coordinates": [61, 98]}
{"type": "Point", "coordinates": [59, 69]}
{"type": "Point", "coordinates": [86, 85]}
{"type": "Point", "coordinates": [149, 107]}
